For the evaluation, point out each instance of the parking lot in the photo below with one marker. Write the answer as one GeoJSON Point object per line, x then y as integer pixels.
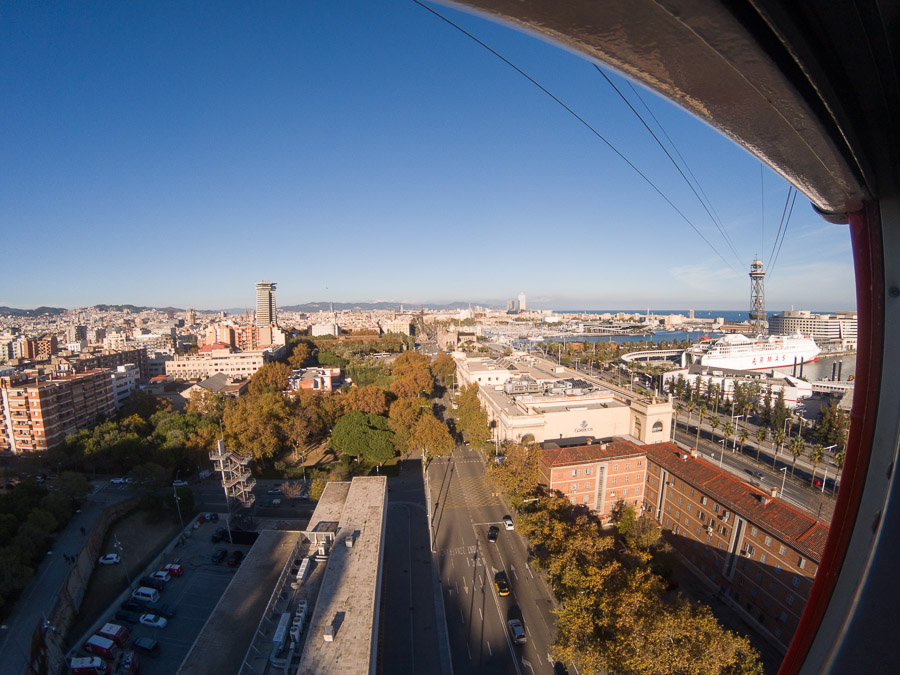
{"type": "Point", "coordinates": [192, 596]}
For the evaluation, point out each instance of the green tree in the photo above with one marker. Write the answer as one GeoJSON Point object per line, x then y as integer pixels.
{"type": "Point", "coordinates": [702, 412]}
{"type": "Point", "coordinates": [358, 434]}
{"type": "Point", "coordinates": [316, 488]}
{"type": "Point", "coordinates": [714, 423]}
{"type": "Point", "coordinates": [743, 435]}
{"type": "Point", "coordinates": [728, 430]}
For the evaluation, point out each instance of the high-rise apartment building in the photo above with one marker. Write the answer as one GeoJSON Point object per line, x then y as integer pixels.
{"type": "Point", "coordinates": [522, 306]}
{"type": "Point", "coordinates": [265, 303]}
{"type": "Point", "coordinates": [37, 412]}
{"type": "Point", "coordinates": [76, 334]}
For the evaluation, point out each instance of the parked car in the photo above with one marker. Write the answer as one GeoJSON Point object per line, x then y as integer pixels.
{"type": "Point", "coordinates": [517, 631]}
{"type": "Point", "coordinates": [147, 646]}
{"type": "Point", "coordinates": [153, 621]}
{"type": "Point", "coordinates": [162, 576]}
{"type": "Point", "coordinates": [235, 558]}
{"type": "Point", "coordinates": [128, 617]}
{"type": "Point", "coordinates": [501, 583]}
{"type": "Point", "coordinates": [273, 491]}
{"type": "Point", "coordinates": [179, 483]}
{"type": "Point", "coordinates": [493, 532]}
{"type": "Point", "coordinates": [212, 517]}
{"type": "Point", "coordinates": [219, 535]}
{"type": "Point", "coordinates": [174, 569]}
{"type": "Point", "coordinates": [132, 605]}
{"type": "Point", "coordinates": [151, 582]}
{"type": "Point", "coordinates": [508, 523]}
{"type": "Point", "coordinates": [117, 481]}
{"type": "Point", "coordinates": [160, 609]}
{"type": "Point", "coordinates": [109, 559]}
{"type": "Point", "coordinates": [219, 555]}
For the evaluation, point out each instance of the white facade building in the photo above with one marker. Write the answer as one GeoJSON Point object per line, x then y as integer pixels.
{"type": "Point", "coordinates": [124, 379]}
{"type": "Point", "coordinates": [838, 328]}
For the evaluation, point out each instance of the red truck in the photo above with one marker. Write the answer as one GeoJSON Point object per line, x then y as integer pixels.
{"type": "Point", "coordinates": [101, 646]}
{"type": "Point", "coordinates": [115, 632]}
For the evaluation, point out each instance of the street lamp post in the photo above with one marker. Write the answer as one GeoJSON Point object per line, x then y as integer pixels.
{"type": "Point", "coordinates": [177, 500]}
{"type": "Point", "coordinates": [721, 454]}
{"type": "Point", "coordinates": [118, 546]}
{"type": "Point", "coordinates": [733, 420]}
{"type": "Point", "coordinates": [783, 478]}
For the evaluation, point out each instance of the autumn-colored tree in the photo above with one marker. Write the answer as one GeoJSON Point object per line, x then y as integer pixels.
{"type": "Point", "coordinates": [444, 368]}
{"type": "Point", "coordinates": [404, 414]}
{"type": "Point", "coordinates": [316, 488]}
{"type": "Point", "coordinates": [472, 419]}
{"type": "Point", "coordinates": [368, 399]}
{"type": "Point", "coordinates": [519, 474]}
{"type": "Point", "coordinates": [271, 377]}
{"type": "Point", "coordinates": [413, 382]}
{"type": "Point", "coordinates": [207, 404]}
{"type": "Point", "coordinates": [143, 404]}
{"type": "Point", "coordinates": [432, 438]}
{"type": "Point", "coordinates": [301, 355]}
{"type": "Point", "coordinates": [255, 425]}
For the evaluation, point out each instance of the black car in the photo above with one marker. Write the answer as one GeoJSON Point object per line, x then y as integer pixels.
{"type": "Point", "coordinates": [158, 584]}
{"type": "Point", "coordinates": [128, 617]}
{"type": "Point", "coordinates": [219, 555]}
{"type": "Point", "coordinates": [132, 605]}
{"type": "Point", "coordinates": [147, 645]}
{"type": "Point", "coordinates": [220, 535]}
{"type": "Point", "coordinates": [493, 532]}
{"type": "Point", "coordinates": [235, 558]}
{"type": "Point", "coordinates": [501, 583]}
{"type": "Point", "coordinates": [160, 609]}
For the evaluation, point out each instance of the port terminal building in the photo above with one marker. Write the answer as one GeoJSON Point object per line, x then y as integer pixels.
{"type": "Point", "coordinates": [528, 400]}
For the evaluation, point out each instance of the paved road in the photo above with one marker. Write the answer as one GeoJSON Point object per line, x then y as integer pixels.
{"type": "Point", "coordinates": [39, 597]}
{"type": "Point", "coordinates": [464, 507]}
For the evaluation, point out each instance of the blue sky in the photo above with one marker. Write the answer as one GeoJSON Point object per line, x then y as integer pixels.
{"type": "Point", "coordinates": [174, 153]}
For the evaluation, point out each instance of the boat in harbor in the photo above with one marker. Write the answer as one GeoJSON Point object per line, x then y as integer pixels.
{"type": "Point", "coordinates": [739, 352]}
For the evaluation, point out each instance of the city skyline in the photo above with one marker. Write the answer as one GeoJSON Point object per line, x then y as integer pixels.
{"type": "Point", "coordinates": [380, 139]}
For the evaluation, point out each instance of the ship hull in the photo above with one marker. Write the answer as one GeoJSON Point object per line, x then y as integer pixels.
{"type": "Point", "coordinates": [743, 354]}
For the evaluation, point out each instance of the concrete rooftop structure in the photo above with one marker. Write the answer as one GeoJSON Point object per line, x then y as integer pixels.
{"type": "Point", "coordinates": [348, 600]}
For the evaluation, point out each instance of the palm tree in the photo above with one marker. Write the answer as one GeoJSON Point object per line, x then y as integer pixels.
{"type": "Point", "coordinates": [728, 430]}
{"type": "Point", "coordinates": [839, 458]}
{"type": "Point", "coordinates": [690, 409]}
{"type": "Point", "coordinates": [761, 434]}
{"type": "Point", "coordinates": [743, 435]}
{"type": "Point", "coordinates": [714, 424]}
{"type": "Point", "coordinates": [818, 452]}
{"type": "Point", "coordinates": [678, 408]}
{"type": "Point", "coordinates": [702, 412]}
{"type": "Point", "coordinates": [777, 439]}
{"type": "Point", "coordinates": [797, 446]}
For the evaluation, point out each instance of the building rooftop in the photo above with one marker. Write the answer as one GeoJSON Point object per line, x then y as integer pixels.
{"type": "Point", "coordinates": [594, 452]}
{"type": "Point", "coordinates": [347, 602]}
{"type": "Point", "coordinates": [774, 515]}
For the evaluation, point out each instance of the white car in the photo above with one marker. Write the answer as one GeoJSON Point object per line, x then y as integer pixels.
{"type": "Point", "coordinates": [508, 523]}
{"type": "Point", "coordinates": [179, 483]}
{"type": "Point", "coordinates": [117, 481]}
{"type": "Point", "coordinates": [109, 559]}
{"type": "Point", "coordinates": [161, 575]}
{"type": "Point", "coordinates": [153, 621]}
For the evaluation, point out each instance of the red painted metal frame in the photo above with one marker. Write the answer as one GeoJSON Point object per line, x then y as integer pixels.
{"type": "Point", "coordinates": [868, 258]}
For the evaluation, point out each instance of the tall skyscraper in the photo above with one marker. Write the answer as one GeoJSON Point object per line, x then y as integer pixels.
{"type": "Point", "coordinates": [522, 302]}
{"type": "Point", "coordinates": [265, 303]}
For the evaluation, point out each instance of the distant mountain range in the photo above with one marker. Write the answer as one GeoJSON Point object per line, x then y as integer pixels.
{"type": "Point", "coordinates": [309, 307]}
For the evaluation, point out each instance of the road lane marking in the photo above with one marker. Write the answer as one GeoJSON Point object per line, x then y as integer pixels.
{"type": "Point", "coordinates": [462, 620]}
{"type": "Point", "coordinates": [481, 613]}
{"type": "Point", "coordinates": [489, 649]}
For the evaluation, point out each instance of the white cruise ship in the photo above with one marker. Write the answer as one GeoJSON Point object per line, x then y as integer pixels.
{"type": "Point", "coordinates": [738, 352]}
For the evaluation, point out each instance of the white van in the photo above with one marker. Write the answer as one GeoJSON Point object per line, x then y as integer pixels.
{"type": "Point", "coordinates": [145, 594]}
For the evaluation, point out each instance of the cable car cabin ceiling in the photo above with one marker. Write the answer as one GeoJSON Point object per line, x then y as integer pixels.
{"type": "Point", "coordinates": [811, 88]}
{"type": "Point", "coordinates": [806, 86]}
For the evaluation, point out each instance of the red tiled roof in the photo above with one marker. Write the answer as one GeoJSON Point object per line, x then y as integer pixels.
{"type": "Point", "coordinates": [792, 526]}
{"type": "Point", "coordinates": [595, 452]}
